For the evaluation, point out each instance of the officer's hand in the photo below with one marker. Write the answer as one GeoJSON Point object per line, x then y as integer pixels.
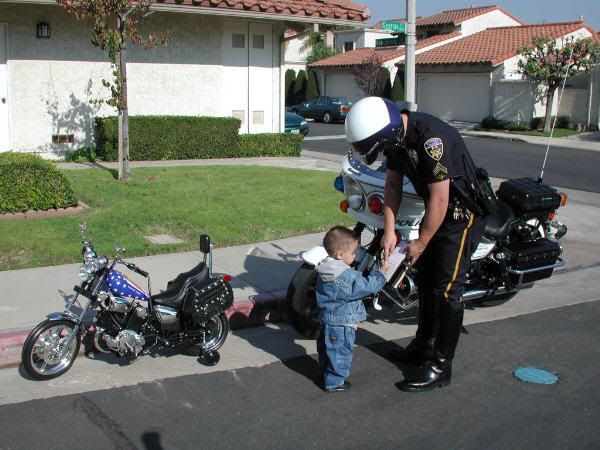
{"type": "Point", "coordinates": [414, 250]}
{"type": "Point", "coordinates": [388, 243]}
{"type": "Point", "coordinates": [384, 266]}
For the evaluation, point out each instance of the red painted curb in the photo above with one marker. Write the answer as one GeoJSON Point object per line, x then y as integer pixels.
{"type": "Point", "coordinates": [268, 307]}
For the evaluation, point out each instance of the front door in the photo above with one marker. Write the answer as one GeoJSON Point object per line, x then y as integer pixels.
{"type": "Point", "coordinates": [3, 91]}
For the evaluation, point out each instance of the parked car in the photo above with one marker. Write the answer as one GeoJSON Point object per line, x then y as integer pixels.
{"type": "Point", "coordinates": [295, 124]}
{"type": "Point", "coordinates": [324, 108]}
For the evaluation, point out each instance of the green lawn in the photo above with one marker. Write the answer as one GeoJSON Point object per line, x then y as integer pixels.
{"type": "Point", "coordinates": [234, 205]}
{"type": "Point", "coordinates": [558, 132]}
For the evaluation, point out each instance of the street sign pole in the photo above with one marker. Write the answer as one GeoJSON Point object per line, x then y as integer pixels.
{"type": "Point", "coordinates": [409, 61]}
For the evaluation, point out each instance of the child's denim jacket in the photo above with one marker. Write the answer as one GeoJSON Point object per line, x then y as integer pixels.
{"type": "Point", "coordinates": [340, 290]}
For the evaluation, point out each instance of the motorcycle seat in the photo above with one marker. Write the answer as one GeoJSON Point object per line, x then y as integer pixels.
{"type": "Point", "coordinates": [497, 225]}
{"type": "Point", "coordinates": [176, 290]}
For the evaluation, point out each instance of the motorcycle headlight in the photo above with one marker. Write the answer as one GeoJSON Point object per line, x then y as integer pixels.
{"type": "Point", "coordinates": [88, 256]}
{"type": "Point", "coordinates": [354, 193]}
{"type": "Point", "coordinates": [86, 272]}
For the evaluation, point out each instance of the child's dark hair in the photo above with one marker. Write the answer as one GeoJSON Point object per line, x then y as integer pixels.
{"type": "Point", "coordinates": [338, 238]}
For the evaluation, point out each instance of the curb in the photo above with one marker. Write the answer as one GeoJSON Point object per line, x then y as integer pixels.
{"type": "Point", "coordinates": [244, 313]}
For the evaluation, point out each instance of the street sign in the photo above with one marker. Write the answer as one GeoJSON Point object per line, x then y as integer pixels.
{"type": "Point", "coordinates": [391, 42]}
{"type": "Point", "coordinates": [398, 27]}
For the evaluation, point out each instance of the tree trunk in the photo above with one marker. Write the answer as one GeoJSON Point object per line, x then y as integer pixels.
{"type": "Point", "coordinates": [549, 104]}
{"type": "Point", "coordinates": [124, 172]}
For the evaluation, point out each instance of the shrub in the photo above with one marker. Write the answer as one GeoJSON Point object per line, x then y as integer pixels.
{"type": "Point", "coordinates": [176, 137]}
{"type": "Point", "coordinates": [29, 182]}
{"type": "Point", "coordinates": [84, 154]}
{"type": "Point", "coordinates": [300, 87]}
{"type": "Point", "coordinates": [312, 84]}
{"type": "Point", "coordinates": [493, 124]}
{"type": "Point", "coordinates": [536, 123]}
{"type": "Point", "coordinates": [398, 87]}
{"type": "Point", "coordinates": [290, 80]}
{"type": "Point", "coordinates": [564, 122]}
{"type": "Point", "coordinates": [516, 126]}
{"type": "Point", "coordinates": [170, 137]}
{"type": "Point", "coordinates": [281, 144]}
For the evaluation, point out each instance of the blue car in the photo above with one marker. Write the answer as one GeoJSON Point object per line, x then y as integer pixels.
{"type": "Point", "coordinates": [324, 108]}
{"type": "Point", "coordinates": [295, 124]}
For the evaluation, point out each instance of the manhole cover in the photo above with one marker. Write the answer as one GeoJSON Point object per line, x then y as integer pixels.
{"type": "Point", "coordinates": [535, 375]}
{"type": "Point", "coordinates": [163, 239]}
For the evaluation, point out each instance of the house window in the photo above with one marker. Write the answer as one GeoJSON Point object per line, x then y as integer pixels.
{"type": "Point", "coordinates": [63, 138]}
{"type": "Point", "coordinates": [258, 41]}
{"type": "Point", "coordinates": [238, 40]}
{"type": "Point", "coordinates": [348, 46]}
{"type": "Point", "coordinates": [239, 114]}
{"type": "Point", "coordinates": [258, 117]}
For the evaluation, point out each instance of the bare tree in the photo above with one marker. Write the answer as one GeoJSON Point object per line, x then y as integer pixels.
{"type": "Point", "coordinates": [115, 24]}
{"type": "Point", "coordinates": [370, 76]}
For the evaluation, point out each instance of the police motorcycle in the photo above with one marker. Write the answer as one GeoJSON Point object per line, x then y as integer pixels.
{"type": "Point", "coordinates": [517, 246]}
{"type": "Point", "coordinates": [188, 315]}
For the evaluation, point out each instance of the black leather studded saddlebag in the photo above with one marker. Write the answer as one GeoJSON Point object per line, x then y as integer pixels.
{"type": "Point", "coordinates": [532, 261]}
{"type": "Point", "coordinates": [529, 198]}
{"type": "Point", "coordinates": [208, 299]}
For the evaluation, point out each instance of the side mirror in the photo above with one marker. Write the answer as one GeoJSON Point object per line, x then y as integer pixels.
{"type": "Point", "coordinates": [205, 243]}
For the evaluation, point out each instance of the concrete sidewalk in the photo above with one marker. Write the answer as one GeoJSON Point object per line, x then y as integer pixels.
{"type": "Point", "coordinates": [583, 141]}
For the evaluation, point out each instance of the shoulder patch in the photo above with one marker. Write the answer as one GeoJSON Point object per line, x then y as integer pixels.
{"type": "Point", "coordinates": [434, 148]}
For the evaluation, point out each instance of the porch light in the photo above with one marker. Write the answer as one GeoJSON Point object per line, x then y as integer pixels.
{"type": "Point", "coordinates": [43, 30]}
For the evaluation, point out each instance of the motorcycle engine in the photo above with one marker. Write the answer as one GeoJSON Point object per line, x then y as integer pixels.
{"type": "Point", "coordinates": [126, 343]}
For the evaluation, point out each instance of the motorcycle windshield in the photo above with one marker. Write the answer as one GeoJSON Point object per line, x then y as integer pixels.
{"type": "Point", "coordinates": [354, 164]}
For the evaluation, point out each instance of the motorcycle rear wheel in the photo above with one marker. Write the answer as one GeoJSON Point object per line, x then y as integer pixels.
{"type": "Point", "coordinates": [302, 302]}
{"type": "Point", "coordinates": [41, 350]}
{"type": "Point", "coordinates": [217, 329]}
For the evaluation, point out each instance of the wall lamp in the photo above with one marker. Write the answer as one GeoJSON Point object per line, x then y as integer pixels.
{"type": "Point", "coordinates": [43, 30]}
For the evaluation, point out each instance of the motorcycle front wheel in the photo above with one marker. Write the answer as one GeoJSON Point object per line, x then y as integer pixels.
{"type": "Point", "coordinates": [302, 302]}
{"type": "Point", "coordinates": [43, 355]}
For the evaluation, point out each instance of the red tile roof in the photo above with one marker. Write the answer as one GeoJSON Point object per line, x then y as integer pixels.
{"type": "Point", "coordinates": [495, 45]}
{"type": "Point", "coordinates": [457, 16]}
{"type": "Point", "coordinates": [318, 9]}
{"type": "Point", "coordinates": [382, 54]}
{"type": "Point", "coordinates": [452, 16]}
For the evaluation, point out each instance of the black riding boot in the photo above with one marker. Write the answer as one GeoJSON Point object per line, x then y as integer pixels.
{"type": "Point", "coordinates": [438, 371]}
{"type": "Point", "coordinates": [420, 348]}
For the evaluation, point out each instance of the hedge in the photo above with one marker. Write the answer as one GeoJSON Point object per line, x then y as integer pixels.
{"type": "Point", "coordinates": [183, 137]}
{"type": "Point", "coordinates": [169, 137]}
{"type": "Point", "coordinates": [280, 144]}
{"type": "Point", "coordinates": [29, 182]}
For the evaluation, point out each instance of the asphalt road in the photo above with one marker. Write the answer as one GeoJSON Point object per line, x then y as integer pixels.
{"type": "Point", "coordinates": [279, 405]}
{"type": "Point", "coordinates": [565, 167]}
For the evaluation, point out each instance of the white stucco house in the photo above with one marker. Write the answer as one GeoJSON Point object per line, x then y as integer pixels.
{"type": "Point", "coordinates": [223, 58]}
{"type": "Point", "coordinates": [335, 73]}
{"type": "Point", "coordinates": [477, 76]}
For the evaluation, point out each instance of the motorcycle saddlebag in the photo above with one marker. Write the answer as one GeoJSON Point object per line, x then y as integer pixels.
{"type": "Point", "coordinates": [208, 299]}
{"type": "Point", "coordinates": [525, 257]}
{"type": "Point", "coordinates": [528, 197]}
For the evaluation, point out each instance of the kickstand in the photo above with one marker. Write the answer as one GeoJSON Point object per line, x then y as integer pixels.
{"type": "Point", "coordinates": [209, 358]}
{"type": "Point", "coordinates": [464, 330]}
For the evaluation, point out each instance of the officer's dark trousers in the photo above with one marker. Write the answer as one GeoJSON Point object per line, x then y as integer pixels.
{"type": "Point", "coordinates": [441, 273]}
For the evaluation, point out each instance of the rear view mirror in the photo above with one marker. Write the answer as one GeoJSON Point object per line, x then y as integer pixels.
{"type": "Point", "coordinates": [204, 243]}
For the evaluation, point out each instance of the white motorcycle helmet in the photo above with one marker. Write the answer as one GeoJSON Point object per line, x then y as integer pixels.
{"type": "Point", "coordinates": [371, 122]}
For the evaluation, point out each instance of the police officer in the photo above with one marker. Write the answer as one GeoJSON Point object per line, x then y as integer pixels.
{"type": "Point", "coordinates": [433, 156]}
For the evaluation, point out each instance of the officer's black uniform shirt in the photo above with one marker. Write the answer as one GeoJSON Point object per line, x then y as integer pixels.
{"type": "Point", "coordinates": [435, 152]}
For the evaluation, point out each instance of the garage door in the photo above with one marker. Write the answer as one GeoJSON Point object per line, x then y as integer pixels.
{"type": "Point", "coordinates": [343, 85]}
{"type": "Point", "coordinates": [455, 97]}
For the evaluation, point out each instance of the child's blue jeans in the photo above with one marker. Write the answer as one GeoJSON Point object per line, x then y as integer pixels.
{"type": "Point", "coordinates": [335, 346]}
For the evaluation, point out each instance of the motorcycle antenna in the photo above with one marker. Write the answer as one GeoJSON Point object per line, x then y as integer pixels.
{"type": "Point", "coordinates": [562, 90]}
